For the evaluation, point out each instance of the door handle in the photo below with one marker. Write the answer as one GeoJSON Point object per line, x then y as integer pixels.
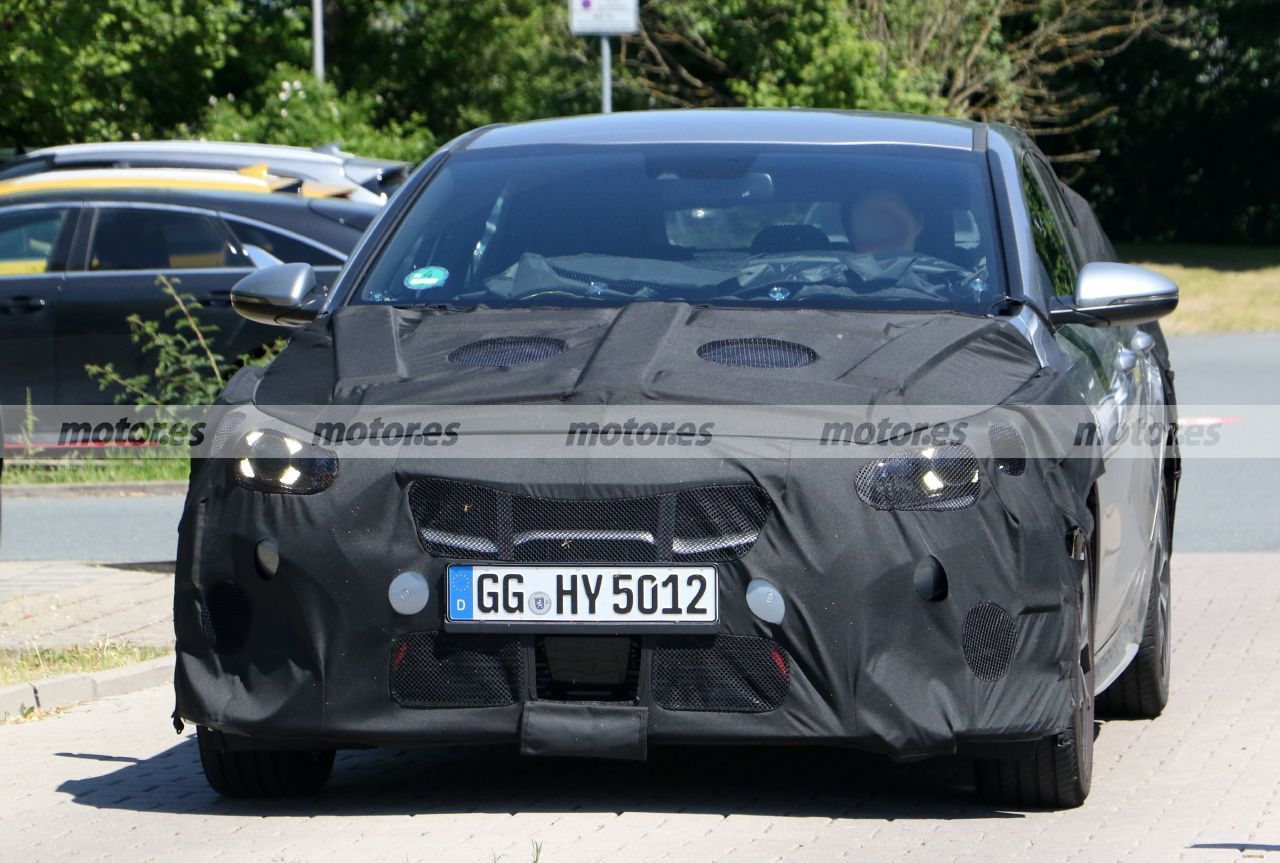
{"type": "Point", "coordinates": [24, 305]}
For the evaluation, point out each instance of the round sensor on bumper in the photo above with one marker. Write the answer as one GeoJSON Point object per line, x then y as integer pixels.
{"type": "Point", "coordinates": [765, 601]}
{"type": "Point", "coordinates": [267, 556]}
{"type": "Point", "coordinates": [409, 593]}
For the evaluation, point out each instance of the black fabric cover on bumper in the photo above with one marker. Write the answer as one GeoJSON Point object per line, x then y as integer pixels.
{"type": "Point", "coordinates": [585, 730]}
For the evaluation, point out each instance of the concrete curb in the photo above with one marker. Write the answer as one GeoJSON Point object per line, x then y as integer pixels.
{"type": "Point", "coordinates": [95, 489]}
{"type": "Point", "coordinates": [79, 688]}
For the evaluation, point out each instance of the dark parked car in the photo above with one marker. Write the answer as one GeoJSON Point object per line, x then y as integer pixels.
{"type": "Point", "coordinates": [74, 264]}
{"type": "Point", "coordinates": [915, 592]}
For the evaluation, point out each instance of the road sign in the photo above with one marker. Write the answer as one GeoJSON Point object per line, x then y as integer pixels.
{"type": "Point", "coordinates": [604, 17]}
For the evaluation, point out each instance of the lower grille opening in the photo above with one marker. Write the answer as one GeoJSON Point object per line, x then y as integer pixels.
{"type": "Point", "coordinates": [435, 669]}
{"type": "Point", "coordinates": [721, 674]}
{"type": "Point", "coordinates": [587, 667]}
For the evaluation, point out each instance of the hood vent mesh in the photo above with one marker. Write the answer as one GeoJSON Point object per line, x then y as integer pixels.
{"type": "Point", "coordinates": [757, 353]}
{"type": "Point", "coordinates": [507, 351]}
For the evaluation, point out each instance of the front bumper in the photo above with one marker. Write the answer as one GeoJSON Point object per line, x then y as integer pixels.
{"type": "Point", "coordinates": [866, 656]}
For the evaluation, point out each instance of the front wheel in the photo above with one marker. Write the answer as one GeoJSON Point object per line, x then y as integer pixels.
{"type": "Point", "coordinates": [1142, 690]}
{"type": "Point", "coordinates": [262, 772]}
{"type": "Point", "coordinates": [1059, 773]}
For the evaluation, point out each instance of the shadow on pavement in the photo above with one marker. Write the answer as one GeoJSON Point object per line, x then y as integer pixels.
{"type": "Point", "coordinates": [757, 781]}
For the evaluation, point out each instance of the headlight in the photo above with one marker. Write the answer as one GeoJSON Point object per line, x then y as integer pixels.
{"type": "Point", "coordinates": [278, 464]}
{"type": "Point", "coordinates": [935, 478]}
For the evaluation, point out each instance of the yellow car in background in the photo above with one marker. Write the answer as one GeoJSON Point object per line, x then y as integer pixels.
{"type": "Point", "coordinates": [253, 179]}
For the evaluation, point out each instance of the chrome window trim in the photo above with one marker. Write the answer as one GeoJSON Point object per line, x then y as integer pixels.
{"type": "Point", "coordinates": [293, 235]}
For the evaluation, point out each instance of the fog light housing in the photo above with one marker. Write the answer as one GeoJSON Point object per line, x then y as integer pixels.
{"type": "Point", "coordinates": [276, 463]}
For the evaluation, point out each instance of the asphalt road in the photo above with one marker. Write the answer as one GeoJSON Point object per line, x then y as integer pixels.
{"type": "Point", "coordinates": [1225, 505]}
{"type": "Point", "coordinates": [1229, 504]}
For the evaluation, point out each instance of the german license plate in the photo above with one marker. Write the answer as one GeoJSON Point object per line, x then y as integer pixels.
{"type": "Point", "coordinates": [571, 596]}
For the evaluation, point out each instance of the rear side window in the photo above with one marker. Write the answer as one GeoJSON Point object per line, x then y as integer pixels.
{"type": "Point", "coordinates": [137, 238]}
{"type": "Point", "coordinates": [291, 250]}
{"type": "Point", "coordinates": [1051, 246]}
{"type": "Point", "coordinates": [28, 239]}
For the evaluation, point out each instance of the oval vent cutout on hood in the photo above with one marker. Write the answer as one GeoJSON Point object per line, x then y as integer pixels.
{"type": "Point", "coordinates": [507, 351]}
{"type": "Point", "coordinates": [757, 353]}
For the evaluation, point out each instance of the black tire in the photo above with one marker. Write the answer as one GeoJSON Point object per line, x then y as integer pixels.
{"type": "Point", "coordinates": [1142, 690]}
{"type": "Point", "coordinates": [263, 772]}
{"type": "Point", "coordinates": [1060, 772]}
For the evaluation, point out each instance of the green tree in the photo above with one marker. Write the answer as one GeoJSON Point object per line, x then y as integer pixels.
{"type": "Point", "coordinates": [1189, 154]}
{"type": "Point", "coordinates": [110, 69]}
{"type": "Point", "coordinates": [291, 107]}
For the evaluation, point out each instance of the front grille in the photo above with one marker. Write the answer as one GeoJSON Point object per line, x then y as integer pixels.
{"type": "Point", "coordinates": [721, 674]}
{"type": "Point", "coordinates": [587, 667]}
{"type": "Point", "coordinates": [435, 669]}
{"type": "Point", "coordinates": [708, 523]}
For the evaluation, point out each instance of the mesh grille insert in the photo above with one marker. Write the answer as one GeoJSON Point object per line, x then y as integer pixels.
{"type": "Point", "coordinates": [1009, 449]}
{"type": "Point", "coordinates": [587, 667]}
{"type": "Point", "coordinates": [990, 636]}
{"type": "Point", "coordinates": [507, 351]}
{"type": "Point", "coordinates": [434, 669]}
{"type": "Point", "coordinates": [721, 674]}
{"type": "Point", "coordinates": [707, 523]}
{"type": "Point", "coordinates": [225, 616]}
{"type": "Point", "coordinates": [757, 353]}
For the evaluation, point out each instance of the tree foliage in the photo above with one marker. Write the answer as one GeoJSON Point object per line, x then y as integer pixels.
{"type": "Point", "coordinates": [1105, 78]}
{"type": "Point", "coordinates": [1189, 152]}
{"type": "Point", "coordinates": [110, 69]}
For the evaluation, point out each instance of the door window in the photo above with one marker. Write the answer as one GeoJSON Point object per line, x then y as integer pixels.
{"type": "Point", "coordinates": [1051, 244]}
{"type": "Point", "coordinates": [291, 250]}
{"type": "Point", "coordinates": [28, 239]}
{"type": "Point", "coordinates": [135, 238]}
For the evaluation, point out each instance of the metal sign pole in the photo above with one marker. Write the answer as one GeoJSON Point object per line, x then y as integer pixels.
{"type": "Point", "coordinates": [606, 76]}
{"type": "Point", "coordinates": [317, 39]}
{"type": "Point", "coordinates": [604, 18]}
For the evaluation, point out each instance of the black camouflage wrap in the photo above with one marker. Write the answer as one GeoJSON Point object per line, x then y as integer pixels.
{"type": "Point", "coordinates": [869, 660]}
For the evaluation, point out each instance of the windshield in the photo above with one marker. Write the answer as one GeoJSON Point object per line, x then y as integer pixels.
{"type": "Point", "coordinates": [838, 227]}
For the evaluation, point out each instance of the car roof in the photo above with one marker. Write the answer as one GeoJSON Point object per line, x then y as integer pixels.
{"type": "Point", "coordinates": [251, 203]}
{"type": "Point", "coordinates": [127, 149]}
{"type": "Point", "coordinates": [248, 180]}
{"type": "Point", "coordinates": [735, 126]}
{"type": "Point", "coordinates": [233, 151]}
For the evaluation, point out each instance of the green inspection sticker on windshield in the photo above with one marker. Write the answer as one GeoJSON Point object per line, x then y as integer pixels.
{"type": "Point", "coordinates": [426, 278]}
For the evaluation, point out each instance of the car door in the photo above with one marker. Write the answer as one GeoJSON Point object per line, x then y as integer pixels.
{"type": "Point", "coordinates": [126, 255]}
{"type": "Point", "coordinates": [1112, 379]}
{"type": "Point", "coordinates": [34, 243]}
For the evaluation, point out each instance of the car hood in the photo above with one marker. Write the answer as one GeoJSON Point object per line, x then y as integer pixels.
{"type": "Point", "coordinates": [644, 353]}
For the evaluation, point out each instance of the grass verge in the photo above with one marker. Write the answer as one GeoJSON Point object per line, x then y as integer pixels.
{"type": "Point", "coordinates": [23, 471]}
{"type": "Point", "coordinates": [23, 666]}
{"type": "Point", "coordinates": [1224, 288]}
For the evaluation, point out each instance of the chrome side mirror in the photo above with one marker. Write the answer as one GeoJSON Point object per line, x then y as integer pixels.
{"type": "Point", "coordinates": [283, 295]}
{"type": "Point", "coordinates": [1108, 293]}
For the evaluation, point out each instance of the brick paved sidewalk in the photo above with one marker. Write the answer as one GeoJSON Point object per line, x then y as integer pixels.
{"type": "Point", "coordinates": [52, 605]}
